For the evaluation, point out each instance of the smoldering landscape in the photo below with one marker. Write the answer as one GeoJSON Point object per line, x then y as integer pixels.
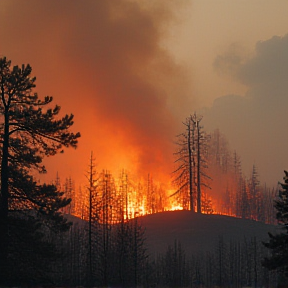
{"type": "Point", "coordinates": [178, 120]}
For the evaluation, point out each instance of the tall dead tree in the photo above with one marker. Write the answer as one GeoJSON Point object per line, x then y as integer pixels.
{"type": "Point", "coordinates": [201, 154]}
{"type": "Point", "coordinates": [191, 157]}
{"type": "Point", "coordinates": [197, 128]}
{"type": "Point", "coordinates": [184, 173]}
{"type": "Point", "coordinates": [92, 216]}
{"type": "Point", "coordinates": [191, 160]}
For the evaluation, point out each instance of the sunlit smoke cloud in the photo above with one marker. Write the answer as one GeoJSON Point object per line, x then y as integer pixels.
{"type": "Point", "coordinates": [255, 123]}
{"type": "Point", "coordinates": [102, 60]}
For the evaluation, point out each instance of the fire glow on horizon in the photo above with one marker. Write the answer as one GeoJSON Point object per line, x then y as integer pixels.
{"type": "Point", "coordinates": [122, 68]}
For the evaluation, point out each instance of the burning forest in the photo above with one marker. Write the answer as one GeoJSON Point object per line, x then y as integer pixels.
{"type": "Point", "coordinates": [207, 179]}
{"type": "Point", "coordinates": [174, 133]}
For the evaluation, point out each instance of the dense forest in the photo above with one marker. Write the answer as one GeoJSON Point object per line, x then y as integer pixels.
{"type": "Point", "coordinates": [209, 176]}
{"type": "Point", "coordinates": [54, 234]}
{"type": "Point", "coordinates": [118, 257]}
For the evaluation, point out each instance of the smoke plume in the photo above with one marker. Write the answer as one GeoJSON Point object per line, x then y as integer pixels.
{"type": "Point", "coordinates": [255, 123]}
{"type": "Point", "coordinates": [102, 61]}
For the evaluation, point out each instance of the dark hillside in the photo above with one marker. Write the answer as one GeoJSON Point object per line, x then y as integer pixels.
{"type": "Point", "coordinates": [198, 232]}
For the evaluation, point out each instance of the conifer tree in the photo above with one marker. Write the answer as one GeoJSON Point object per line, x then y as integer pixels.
{"type": "Point", "coordinates": [278, 243]}
{"type": "Point", "coordinates": [28, 132]}
{"type": "Point", "coordinates": [93, 218]}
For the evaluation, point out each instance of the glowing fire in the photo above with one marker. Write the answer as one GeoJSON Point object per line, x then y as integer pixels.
{"type": "Point", "coordinates": [124, 198]}
{"type": "Point", "coordinates": [174, 208]}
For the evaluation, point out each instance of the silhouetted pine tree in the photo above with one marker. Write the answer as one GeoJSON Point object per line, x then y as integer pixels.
{"type": "Point", "coordinates": [278, 244]}
{"type": "Point", "coordinates": [28, 134]}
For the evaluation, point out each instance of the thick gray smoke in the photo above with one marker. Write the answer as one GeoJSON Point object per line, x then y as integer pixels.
{"type": "Point", "coordinates": [105, 62]}
{"type": "Point", "coordinates": [102, 61]}
{"type": "Point", "coordinates": [256, 123]}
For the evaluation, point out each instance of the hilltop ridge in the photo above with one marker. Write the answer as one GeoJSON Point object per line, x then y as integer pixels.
{"type": "Point", "coordinates": [198, 232]}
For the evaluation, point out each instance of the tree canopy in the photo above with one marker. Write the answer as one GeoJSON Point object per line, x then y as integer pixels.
{"type": "Point", "coordinates": [30, 130]}
{"type": "Point", "coordinates": [278, 244]}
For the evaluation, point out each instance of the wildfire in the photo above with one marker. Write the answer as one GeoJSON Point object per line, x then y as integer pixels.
{"type": "Point", "coordinates": [125, 198]}
{"type": "Point", "coordinates": [176, 207]}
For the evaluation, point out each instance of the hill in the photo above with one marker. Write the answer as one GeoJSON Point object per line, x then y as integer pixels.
{"type": "Point", "coordinates": [198, 232]}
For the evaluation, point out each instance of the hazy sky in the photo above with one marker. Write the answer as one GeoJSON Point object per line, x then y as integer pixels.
{"type": "Point", "coordinates": [131, 71]}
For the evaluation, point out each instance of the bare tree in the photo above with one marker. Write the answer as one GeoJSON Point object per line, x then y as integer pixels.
{"type": "Point", "coordinates": [192, 163]}
{"type": "Point", "coordinates": [93, 217]}
{"type": "Point", "coordinates": [184, 179]}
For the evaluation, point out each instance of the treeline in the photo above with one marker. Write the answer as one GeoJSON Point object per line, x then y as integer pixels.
{"type": "Point", "coordinates": [224, 188]}
{"type": "Point", "coordinates": [233, 192]}
{"type": "Point", "coordinates": [124, 196]}
{"type": "Point", "coordinates": [230, 264]}
{"type": "Point", "coordinates": [208, 177]}
{"type": "Point", "coordinates": [115, 255]}
{"type": "Point", "coordinates": [119, 258]}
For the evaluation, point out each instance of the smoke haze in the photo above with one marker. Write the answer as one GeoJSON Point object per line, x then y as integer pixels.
{"type": "Point", "coordinates": [131, 72]}
{"type": "Point", "coordinates": [256, 122]}
{"type": "Point", "coordinates": [102, 61]}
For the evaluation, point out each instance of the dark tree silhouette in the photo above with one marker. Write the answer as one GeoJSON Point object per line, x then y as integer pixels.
{"type": "Point", "coordinates": [185, 174]}
{"type": "Point", "coordinates": [192, 164]}
{"type": "Point", "coordinates": [28, 134]}
{"type": "Point", "coordinates": [278, 244]}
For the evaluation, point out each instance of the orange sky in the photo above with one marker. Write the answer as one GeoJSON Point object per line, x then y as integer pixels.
{"type": "Point", "coordinates": [131, 71]}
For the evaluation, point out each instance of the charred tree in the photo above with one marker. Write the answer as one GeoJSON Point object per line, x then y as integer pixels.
{"type": "Point", "coordinates": [184, 179]}
{"type": "Point", "coordinates": [192, 163]}
{"type": "Point", "coordinates": [93, 217]}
